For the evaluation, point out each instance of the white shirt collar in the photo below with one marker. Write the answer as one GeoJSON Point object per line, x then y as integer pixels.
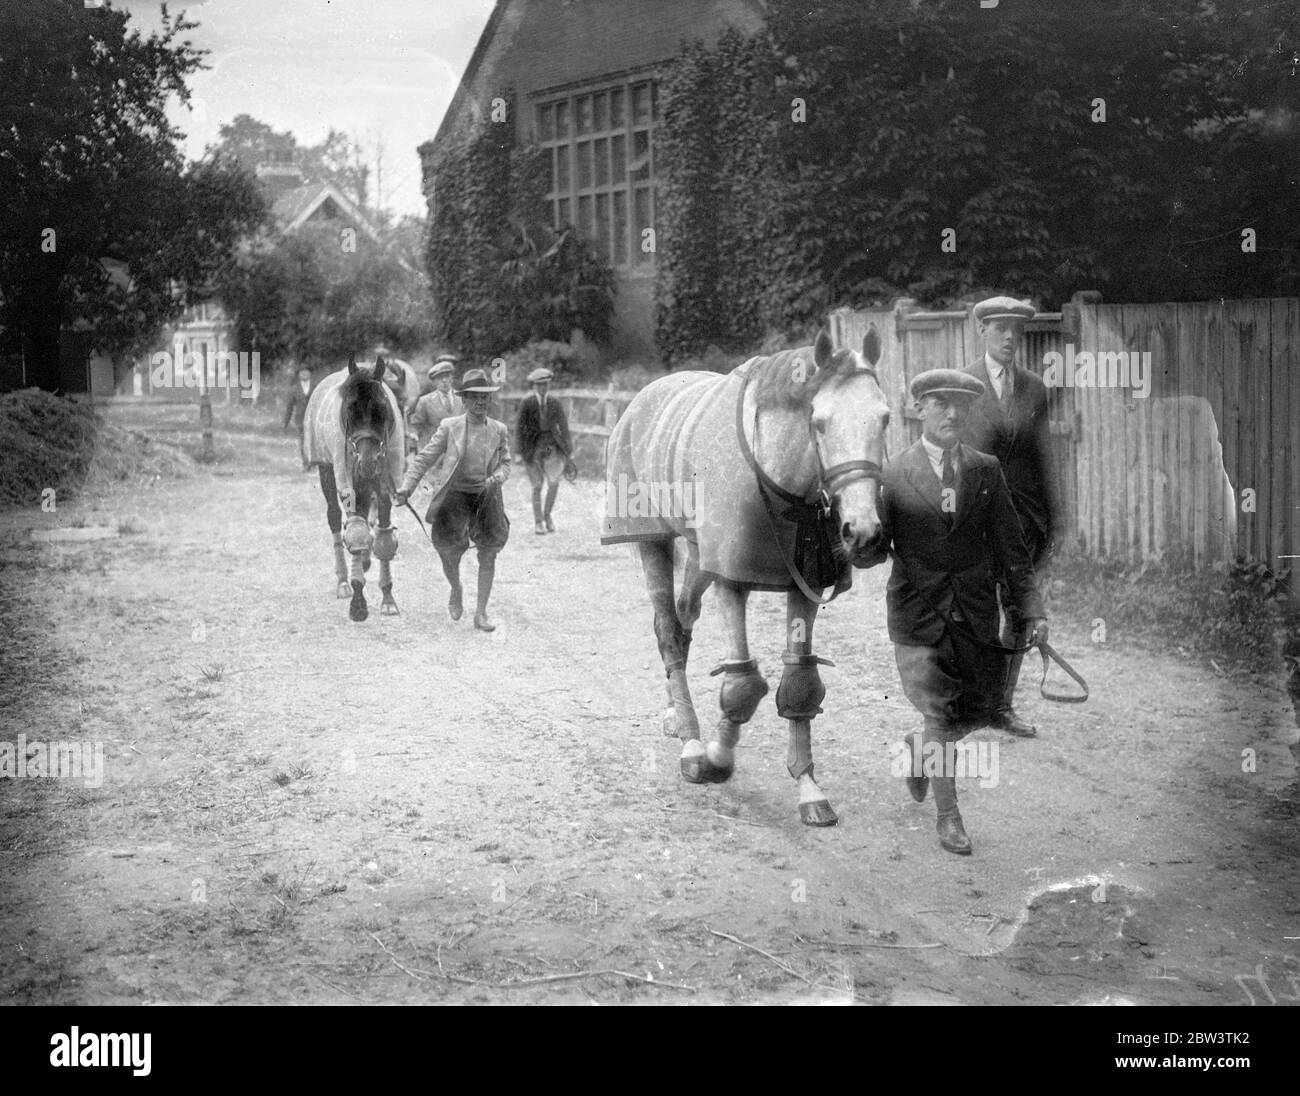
{"type": "Point", "coordinates": [995, 368]}
{"type": "Point", "coordinates": [935, 454]}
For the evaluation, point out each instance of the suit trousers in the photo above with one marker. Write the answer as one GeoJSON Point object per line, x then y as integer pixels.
{"type": "Point", "coordinates": [955, 684]}
{"type": "Point", "coordinates": [465, 516]}
{"type": "Point", "coordinates": [546, 467]}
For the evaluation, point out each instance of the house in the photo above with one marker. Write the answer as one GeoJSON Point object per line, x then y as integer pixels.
{"type": "Point", "coordinates": [205, 329]}
{"type": "Point", "coordinates": [585, 76]}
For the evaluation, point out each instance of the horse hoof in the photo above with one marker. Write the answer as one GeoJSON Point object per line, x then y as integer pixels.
{"type": "Point", "coordinates": [717, 774]}
{"type": "Point", "coordinates": [389, 608]}
{"type": "Point", "coordinates": [344, 589]}
{"type": "Point", "coordinates": [357, 610]}
{"type": "Point", "coordinates": [817, 813]}
{"type": "Point", "coordinates": [700, 770]}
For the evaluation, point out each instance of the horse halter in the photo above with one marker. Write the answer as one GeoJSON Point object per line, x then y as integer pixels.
{"type": "Point", "coordinates": [367, 435]}
{"type": "Point", "coordinates": [849, 471]}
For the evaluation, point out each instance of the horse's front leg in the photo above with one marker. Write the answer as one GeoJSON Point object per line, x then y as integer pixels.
{"type": "Point", "coordinates": [385, 549]}
{"type": "Point", "coordinates": [359, 541]}
{"type": "Point", "coordinates": [798, 699]}
{"type": "Point", "coordinates": [742, 687]}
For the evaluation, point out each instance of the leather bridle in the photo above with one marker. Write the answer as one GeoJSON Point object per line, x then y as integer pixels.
{"type": "Point", "coordinates": [829, 480]}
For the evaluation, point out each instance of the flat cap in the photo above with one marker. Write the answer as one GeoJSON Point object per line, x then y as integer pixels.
{"type": "Point", "coordinates": [946, 382]}
{"type": "Point", "coordinates": [441, 368]}
{"type": "Point", "coordinates": [1003, 308]}
{"type": "Point", "coordinates": [447, 358]}
{"type": "Point", "coordinates": [540, 374]}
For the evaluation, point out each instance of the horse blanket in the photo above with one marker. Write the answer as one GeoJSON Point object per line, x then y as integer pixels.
{"type": "Point", "coordinates": [674, 468]}
{"type": "Point", "coordinates": [323, 438]}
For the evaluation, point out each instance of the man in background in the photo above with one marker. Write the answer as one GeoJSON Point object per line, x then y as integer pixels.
{"type": "Point", "coordinates": [296, 407]}
{"type": "Point", "coordinates": [542, 433]}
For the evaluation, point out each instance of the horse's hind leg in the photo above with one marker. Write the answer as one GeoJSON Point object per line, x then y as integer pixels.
{"type": "Point", "coordinates": [329, 488]}
{"type": "Point", "coordinates": [798, 699]}
{"type": "Point", "coordinates": [674, 647]}
{"type": "Point", "coordinates": [385, 550]}
{"type": "Point", "coordinates": [742, 687]}
{"type": "Point", "coordinates": [688, 603]}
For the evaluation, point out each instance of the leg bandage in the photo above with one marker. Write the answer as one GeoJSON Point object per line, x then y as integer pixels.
{"type": "Point", "coordinates": [801, 691]}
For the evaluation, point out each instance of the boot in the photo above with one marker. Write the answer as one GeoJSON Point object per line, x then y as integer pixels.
{"type": "Point", "coordinates": [486, 573]}
{"type": "Point", "coordinates": [952, 834]}
{"type": "Point", "coordinates": [1004, 715]}
{"type": "Point", "coordinates": [551, 491]}
{"type": "Point", "coordinates": [916, 780]}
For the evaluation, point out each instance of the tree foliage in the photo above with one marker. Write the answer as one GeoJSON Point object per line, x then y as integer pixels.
{"type": "Point", "coordinates": [90, 168]}
{"type": "Point", "coordinates": [337, 159]}
{"type": "Point", "coordinates": [944, 115]}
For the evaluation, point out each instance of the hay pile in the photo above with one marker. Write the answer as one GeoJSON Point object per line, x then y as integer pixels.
{"type": "Point", "coordinates": [46, 441]}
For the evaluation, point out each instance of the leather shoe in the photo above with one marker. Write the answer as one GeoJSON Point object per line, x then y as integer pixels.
{"type": "Point", "coordinates": [916, 785]}
{"type": "Point", "coordinates": [952, 834]}
{"type": "Point", "coordinates": [482, 623]}
{"type": "Point", "coordinates": [1005, 719]}
{"type": "Point", "coordinates": [539, 529]}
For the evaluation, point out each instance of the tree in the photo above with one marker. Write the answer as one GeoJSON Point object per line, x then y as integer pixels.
{"type": "Point", "coordinates": [859, 151]}
{"type": "Point", "coordinates": [90, 167]}
{"type": "Point", "coordinates": [337, 159]}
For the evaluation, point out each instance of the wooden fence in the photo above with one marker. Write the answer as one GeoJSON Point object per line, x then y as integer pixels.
{"type": "Point", "coordinates": [591, 412]}
{"type": "Point", "coordinates": [1205, 464]}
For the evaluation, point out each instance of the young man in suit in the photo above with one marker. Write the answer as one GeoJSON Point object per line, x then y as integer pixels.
{"type": "Point", "coordinates": [542, 432]}
{"type": "Point", "coordinates": [1010, 421]}
{"type": "Point", "coordinates": [469, 457]}
{"type": "Point", "coordinates": [948, 522]}
{"type": "Point", "coordinates": [437, 405]}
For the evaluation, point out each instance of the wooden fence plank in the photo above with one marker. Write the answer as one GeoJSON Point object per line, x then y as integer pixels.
{"type": "Point", "coordinates": [1262, 418]}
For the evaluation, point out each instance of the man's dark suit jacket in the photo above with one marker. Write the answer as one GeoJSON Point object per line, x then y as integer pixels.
{"type": "Point", "coordinates": [529, 430]}
{"type": "Point", "coordinates": [1021, 440]}
{"type": "Point", "coordinates": [937, 569]}
{"type": "Point", "coordinates": [296, 406]}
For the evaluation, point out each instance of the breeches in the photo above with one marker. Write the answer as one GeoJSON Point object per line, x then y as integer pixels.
{"type": "Point", "coordinates": [465, 516]}
{"type": "Point", "coordinates": [547, 466]}
{"type": "Point", "coordinates": [954, 684]}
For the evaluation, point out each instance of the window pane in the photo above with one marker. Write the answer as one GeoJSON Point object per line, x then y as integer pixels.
{"type": "Point", "coordinates": [620, 228]}
{"type": "Point", "coordinates": [617, 166]}
{"type": "Point", "coordinates": [654, 101]}
{"type": "Point", "coordinates": [584, 164]}
{"type": "Point", "coordinates": [563, 218]}
{"type": "Point", "coordinates": [550, 172]}
{"type": "Point", "coordinates": [641, 221]}
{"type": "Point", "coordinates": [546, 123]}
{"type": "Point", "coordinates": [640, 104]}
{"type": "Point", "coordinates": [584, 217]}
{"type": "Point", "coordinates": [602, 112]}
{"type": "Point", "coordinates": [640, 165]}
{"type": "Point", "coordinates": [616, 118]}
{"type": "Point", "coordinates": [562, 169]}
{"type": "Point", "coordinates": [562, 119]}
{"type": "Point", "coordinates": [602, 225]}
{"type": "Point", "coordinates": [602, 162]}
{"type": "Point", "coordinates": [583, 105]}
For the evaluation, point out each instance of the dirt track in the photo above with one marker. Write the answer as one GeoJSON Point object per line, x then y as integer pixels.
{"type": "Point", "coordinates": [408, 810]}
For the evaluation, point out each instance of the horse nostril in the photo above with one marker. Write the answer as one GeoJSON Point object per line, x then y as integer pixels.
{"type": "Point", "coordinates": [846, 532]}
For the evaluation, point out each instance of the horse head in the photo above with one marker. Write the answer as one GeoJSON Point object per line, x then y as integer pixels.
{"type": "Point", "coordinates": [367, 419]}
{"type": "Point", "coordinates": [848, 421]}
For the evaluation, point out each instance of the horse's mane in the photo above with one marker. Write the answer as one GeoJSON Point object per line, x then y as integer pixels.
{"type": "Point", "coordinates": [790, 378]}
{"type": "Point", "coordinates": [364, 404]}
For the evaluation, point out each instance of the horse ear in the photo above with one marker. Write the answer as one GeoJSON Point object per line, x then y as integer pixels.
{"type": "Point", "coordinates": [823, 349]}
{"type": "Point", "coordinates": [352, 364]}
{"type": "Point", "coordinates": [378, 374]}
{"type": "Point", "coordinates": [871, 345]}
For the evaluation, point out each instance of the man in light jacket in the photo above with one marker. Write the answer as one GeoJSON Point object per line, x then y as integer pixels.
{"type": "Point", "coordinates": [469, 459]}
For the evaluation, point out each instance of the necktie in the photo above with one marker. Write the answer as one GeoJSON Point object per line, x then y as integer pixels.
{"type": "Point", "coordinates": [1005, 397]}
{"type": "Point", "coordinates": [949, 478]}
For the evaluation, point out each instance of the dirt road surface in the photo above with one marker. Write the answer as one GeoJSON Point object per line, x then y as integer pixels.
{"type": "Point", "coordinates": [295, 807]}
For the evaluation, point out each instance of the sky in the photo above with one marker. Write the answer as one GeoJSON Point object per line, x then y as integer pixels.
{"type": "Point", "coordinates": [382, 71]}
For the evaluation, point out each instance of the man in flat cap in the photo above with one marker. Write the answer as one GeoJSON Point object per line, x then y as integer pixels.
{"type": "Point", "coordinates": [295, 409]}
{"type": "Point", "coordinates": [469, 456]}
{"type": "Point", "coordinates": [948, 523]}
{"type": "Point", "coordinates": [542, 433]}
{"type": "Point", "coordinates": [437, 405]}
{"type": "Point", "coordinates": [1010, 421]}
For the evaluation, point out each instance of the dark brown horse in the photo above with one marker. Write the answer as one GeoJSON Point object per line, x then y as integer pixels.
{"type": "Point", "coordinates": [355, 435]}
